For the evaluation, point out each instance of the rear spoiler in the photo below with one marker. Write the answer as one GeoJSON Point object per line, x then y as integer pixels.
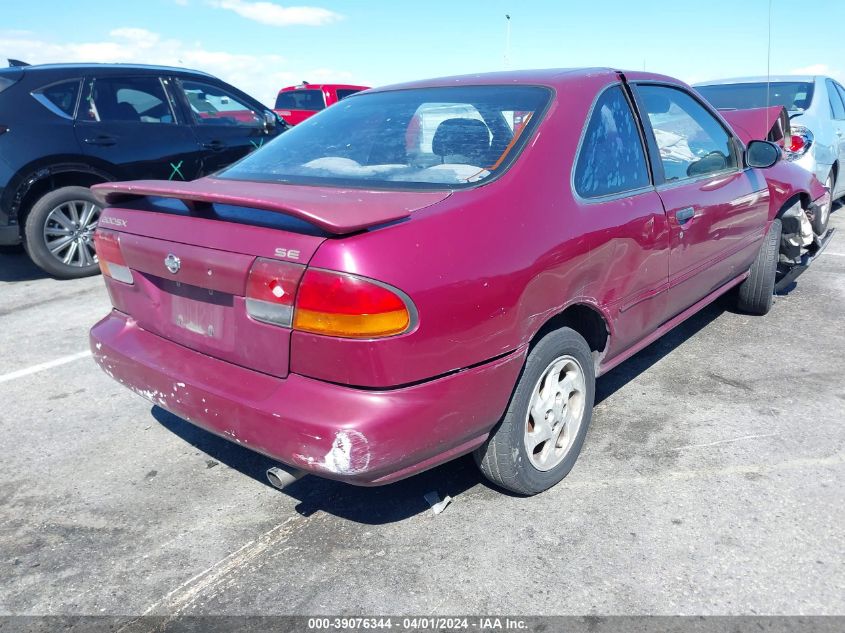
{"type": "Point", "coordinates": [333, 210]}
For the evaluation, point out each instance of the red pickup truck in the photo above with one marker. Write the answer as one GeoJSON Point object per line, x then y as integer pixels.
{"type": "Point", "coordinates": [296, 103]}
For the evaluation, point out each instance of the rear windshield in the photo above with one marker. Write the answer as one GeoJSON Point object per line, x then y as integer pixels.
{"type": "Point", "coordinates": [795, 96]}
{"type": "Point", "coordinates": [300, 100]}
{"type": "Point", "coordinates": [420, 138]}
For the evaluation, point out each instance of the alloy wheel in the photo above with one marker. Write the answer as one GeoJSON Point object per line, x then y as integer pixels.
{"type": "Point", "coordinates": [69, 232]}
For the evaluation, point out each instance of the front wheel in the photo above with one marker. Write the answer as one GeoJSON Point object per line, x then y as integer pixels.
{"type": "Point", "coordinates": [59, 232]}
{"type": "Point", "coordinates": [540, 437]}
{"type": "Point", "coordinates": [755, 294]}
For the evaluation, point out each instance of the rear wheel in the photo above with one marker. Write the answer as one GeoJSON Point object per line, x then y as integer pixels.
{"type": "Point", "coordinates": [540, 437]}
{"type": "Point", "coordinates": [59, 232]}
{"type": "Point", "coordinates": [822, 214]}
{"type": "Point", "coordinates": [756, 293]}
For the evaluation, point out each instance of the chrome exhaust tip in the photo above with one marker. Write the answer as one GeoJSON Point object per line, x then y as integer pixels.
{"type": "Point", "coordinates": [282, 476]}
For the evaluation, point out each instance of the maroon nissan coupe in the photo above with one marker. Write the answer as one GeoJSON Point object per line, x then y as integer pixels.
{"type": "Point", "coordinates": [443, 267]}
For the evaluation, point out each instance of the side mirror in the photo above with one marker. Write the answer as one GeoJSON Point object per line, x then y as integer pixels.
{"type": "Point", "coordinates": [762, 154]}
{"type": "Point", "coordinates": [270, 120]}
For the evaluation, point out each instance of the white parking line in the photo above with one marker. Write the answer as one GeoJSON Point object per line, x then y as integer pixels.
{"type": "Point", "coordinates": [43, 366]}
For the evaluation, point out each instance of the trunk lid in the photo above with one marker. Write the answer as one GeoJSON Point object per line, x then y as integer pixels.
{"type": "Point", "coordinates": [759, 124]}
{"type": "Point", "coordinates": [216, 230]}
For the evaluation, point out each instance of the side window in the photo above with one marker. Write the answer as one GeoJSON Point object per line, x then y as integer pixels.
{"type": "Point", "coordinates": [126, 99]}
{"type": "Point", "coordinates": [59, 98]}
{"type": "Point", "coordinates": [301, 100]}
{"type": "Point", "coordinates": [836, 108]}
{"type": "Point", "coordinates": [612, 159]}
{"type": "Point", "coordinates": [691, 141]}
{"type": "Point", "coordinates": [342, 93]}
{"type": "Point", "coordinates": [212, 105]}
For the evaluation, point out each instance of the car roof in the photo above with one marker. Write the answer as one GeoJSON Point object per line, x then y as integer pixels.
{"type": "Point", "coordinates": [309, 86]}
{"type": "Point", "coordinates": [107, 68]}
{"type": "Point", "coordinates": [757, 80]}
{"type": "Point", "coordinates": [553, 77]}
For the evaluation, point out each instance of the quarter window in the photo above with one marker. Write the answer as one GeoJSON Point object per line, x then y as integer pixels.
{"type": "Point", "coordinates": [127, 99]}
{"type": "Point", "coordinates": [342, 93]}
{"type": "Point", "coordinates": [691, 141]}
{"type": "Point", "coordinates": [836, 107]}
{"type": "Point", "coordinates": [611, 159]}
{"type": "Point", "coordinates": [59, 98]}
{"type": "Point", "coordinates": [212, 105]}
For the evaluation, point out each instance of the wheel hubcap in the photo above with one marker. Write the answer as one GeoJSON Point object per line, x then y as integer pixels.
{"type": "Point", "coordinates": [69, 233]}
{"type": "Point", "coordinates": [555, 413]}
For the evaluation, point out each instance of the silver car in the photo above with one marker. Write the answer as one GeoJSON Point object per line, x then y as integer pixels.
{"type": "Point", "coordinates": [816, 107]}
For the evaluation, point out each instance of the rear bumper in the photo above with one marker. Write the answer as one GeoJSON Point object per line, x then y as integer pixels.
{"type": "Point", "coordinates": [364, 437]}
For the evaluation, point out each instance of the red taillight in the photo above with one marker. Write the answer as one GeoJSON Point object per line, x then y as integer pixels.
{"type": "Point", "coordinates": [799, 142]}
{"type": "Point", "coordinates": [271, 289]}
{"type": "Point", "coordinates": [110, 258]}
{"type": "Point", "coordinates": [796, 143]}
{"type": "Point", "coordinates": [340, 304]}
{"type": "Point", "coordinates": [325, 302]}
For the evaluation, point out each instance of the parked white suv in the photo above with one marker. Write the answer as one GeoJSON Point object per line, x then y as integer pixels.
{"type": "Point", "coordinates": [816, 107]}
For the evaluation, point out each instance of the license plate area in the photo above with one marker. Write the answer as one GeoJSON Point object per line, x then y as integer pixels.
{"type": "Point", "coordinates": [199, 318]}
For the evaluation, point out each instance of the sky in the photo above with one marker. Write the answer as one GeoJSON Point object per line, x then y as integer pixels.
{"type": "Point", "coordinates": [261, 46]}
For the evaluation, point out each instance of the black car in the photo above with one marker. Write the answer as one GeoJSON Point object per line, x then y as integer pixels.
{"type": "Point", "coordinates": [66, 127]}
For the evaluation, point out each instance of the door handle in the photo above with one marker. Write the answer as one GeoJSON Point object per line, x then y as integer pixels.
{"type": "Point", "coordinates": [684, 215]}
{"type": "Point", "coordinates": [214, 146]}
{"type": "Point", "coordinates": [103, 140]}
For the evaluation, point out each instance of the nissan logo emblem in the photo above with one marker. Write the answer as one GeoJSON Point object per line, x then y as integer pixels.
{"type": "Point", "coordinates": [173, 263]}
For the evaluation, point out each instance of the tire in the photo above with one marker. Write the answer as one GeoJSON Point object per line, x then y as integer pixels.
{"type": "Point", "coordinates": [821, 216]}
{"type": "Point", "coordinates": [505, 458]}
{"type": "Point", "coordinates": [756, 293]}
{"type": "Point", "coordinates": [54, 237]}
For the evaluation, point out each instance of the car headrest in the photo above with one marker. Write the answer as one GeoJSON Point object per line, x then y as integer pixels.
{"type": "Point", "coordinates": [464, 137]}
{"type": "Point", "coordinates": [125, 112]}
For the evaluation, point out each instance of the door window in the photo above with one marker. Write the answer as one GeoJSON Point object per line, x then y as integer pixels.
{"type": "Point", "coordinates": [612, 159]}
{"type": "Point", "coordinates": [301, 100]}
{"type": "Point", "coordinates": [127, 99]}
{"type": "Point", "coordinates": [213, 105]}
{"type": "Point", "coordinates": [691, 141]}
{"type": "Point", "coordinates": [836, 108]}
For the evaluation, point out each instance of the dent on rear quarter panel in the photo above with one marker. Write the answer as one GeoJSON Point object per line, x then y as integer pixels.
{"type": "Point", "coordinates": [485, 267]}
{"type": "Point", "coordinates": [785, 180]}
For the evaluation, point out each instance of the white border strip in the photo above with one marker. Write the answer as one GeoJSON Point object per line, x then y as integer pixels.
{"type": "Point", "coordinates": [64, 360]}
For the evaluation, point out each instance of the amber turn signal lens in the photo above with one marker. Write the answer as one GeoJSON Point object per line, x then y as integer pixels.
{"type": "Point", "coordinates": [344, 305]}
